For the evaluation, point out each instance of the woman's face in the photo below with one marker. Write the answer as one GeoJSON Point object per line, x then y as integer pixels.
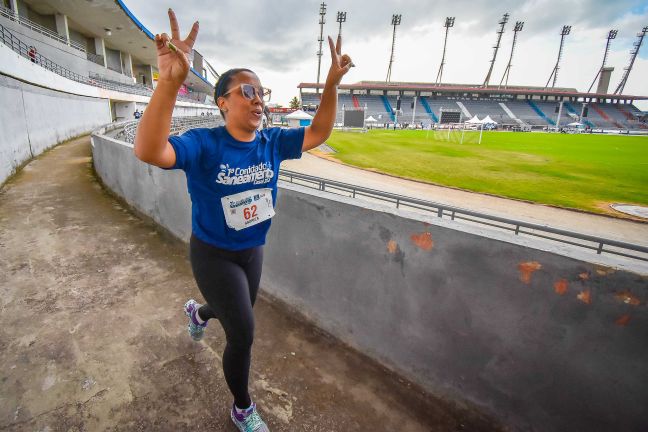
{"type": "Point", "coordinates": [240, 112]}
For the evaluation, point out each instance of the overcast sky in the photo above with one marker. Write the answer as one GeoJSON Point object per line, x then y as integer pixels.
{"type": "Point", "coordinates": [278, 39]}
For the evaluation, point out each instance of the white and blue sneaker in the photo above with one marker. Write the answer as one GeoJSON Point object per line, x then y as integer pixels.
{"type": "Point", "coordinates": [248, 420]}
{"type": "Point", "coordinates": [196, 330]}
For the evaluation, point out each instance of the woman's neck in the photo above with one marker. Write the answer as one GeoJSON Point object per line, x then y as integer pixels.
{"type": "Point", "coordinates": [240, 134]}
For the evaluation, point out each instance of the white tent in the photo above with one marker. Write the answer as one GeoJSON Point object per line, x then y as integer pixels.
{"type": "Point", "coordinates": [488, 120]}
{"type": "Point", "coordinates": [370, 119]}
{"type": "Point", "coordinates": [474, 120]}
{"type": "Point", "coordinates": [299, 118]}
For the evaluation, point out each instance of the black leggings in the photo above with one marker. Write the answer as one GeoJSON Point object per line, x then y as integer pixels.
{"type": "Point", "coordinates": [229, 281]}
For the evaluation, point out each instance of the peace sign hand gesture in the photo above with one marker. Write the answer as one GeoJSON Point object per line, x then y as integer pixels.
{"type": "Point", "coordinates": [173, 61]}
{"type": "Point", "coordinates": [340, 63]}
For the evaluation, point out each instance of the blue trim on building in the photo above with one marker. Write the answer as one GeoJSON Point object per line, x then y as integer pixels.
{"type": "Point", "coordinates": [425, 104]}
{"type": "Point", "coordinates": [573, 111]}
{"type": "Point", "coordinates": [200, 76]}
{"type": "Point", "coordinates": [388, 107]}
{"type": "Point", "coordinates": [135, 20]}
{"type": "Point", "coordinates": [540, 113]}
{"type": "Point", "coordinates": [148, 33]}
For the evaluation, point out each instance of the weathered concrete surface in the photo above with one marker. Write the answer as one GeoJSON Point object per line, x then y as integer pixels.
{"type": "Point", "coordinates": [29, 125]}
{"type": "Point", "coordinates": [92, 336]}
{"type": "Point", "coordinates": [465, 312]}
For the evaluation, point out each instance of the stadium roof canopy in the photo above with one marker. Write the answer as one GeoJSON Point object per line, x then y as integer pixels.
{"type": "Point", "coordinates": [380, 86]}
{"type": "Point", "coordinates": [127, 33]}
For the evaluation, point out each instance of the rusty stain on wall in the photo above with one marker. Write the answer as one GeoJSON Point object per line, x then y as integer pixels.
{"type": "Point", "coordinates": [392, 246]}
{"type": "Point", "coordinates": [628, 298]}
{"type": "Point", "coordinates": [604, 271]}
{"type": "Point", "coordinates": [561, 286]}
{"type": "Point", "coordinates": [585, 297]}
{"type": "Point", "coordinates": [526, 270]}
{"type": "Point", "coordinates": [623, 320]}
{"type": "Point", "coordinates": [423, 240]}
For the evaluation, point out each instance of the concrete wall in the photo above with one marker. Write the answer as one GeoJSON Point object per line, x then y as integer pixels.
{"type": "Point", "coordinates": [113, 60]}
{"type": "Point", "coordinates": [160, 195]}
{"type": "Point", "coordinates": [34, 119]}
{"type": "Point", "coordinates": [540, 336]}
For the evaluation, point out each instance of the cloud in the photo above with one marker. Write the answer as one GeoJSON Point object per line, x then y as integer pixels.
{"type": "Point", "coordinates": [281, 38]}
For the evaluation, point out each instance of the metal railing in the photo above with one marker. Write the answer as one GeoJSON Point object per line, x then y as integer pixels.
{"type": "Point", "coordinates": [8, 13]}
{"type": "Point", "coordinates": [95, 58]}
{"type": "Point", "coordinates": [24, 50]}
{"type": "Point", "coordinates": [593, 243]}
{"type": "Point", "coordinates": [178, 125]}
{"type": "Point", "coordinates": [120, 86]}
{"type": "Point", "coordinates": [18, 46]}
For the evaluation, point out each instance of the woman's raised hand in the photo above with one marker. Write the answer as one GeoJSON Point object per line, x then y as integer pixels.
{"type": "Point", "coordinates": [173, 61]}
{"type": "Point", "coordinates": [340, 63]}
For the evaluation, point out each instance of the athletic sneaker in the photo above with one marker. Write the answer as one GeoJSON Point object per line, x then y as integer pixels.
{"type": "Point", "coordinates": [196, 331]}
{"type": "Point", "coordinates": [249, 420]}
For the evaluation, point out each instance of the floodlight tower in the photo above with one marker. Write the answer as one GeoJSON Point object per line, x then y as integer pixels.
{"type": "Point", "coordinates": [518, 27]}
{"type": "Point", "coordinates": [322, 21]}
{"type": "Point", "coordinates": [396, 20]}
{"type": "Point", "coordinates": [341, 17]}
{"type": "Point", "coordinates": [449, 22]}
{"type": "Point", "coordinates": [500, 32]}
{"type": "Point", "coordinates": [633, 56]}
{"type": "Point", "coordinates": [554, 73]}
{"type": "Point", "coordinates": [612, 34]}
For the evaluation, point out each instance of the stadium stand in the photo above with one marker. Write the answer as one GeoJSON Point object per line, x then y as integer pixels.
{"type": "Point", "coordinates": [18, 46]}
{"type": "Point", "coordinates": [72, 51]}
{"type": "Point", "coordinates": [428, 109]}
{"type": "Point", "coordinates": [508, 113]}
{"type": "Point", "coordinates": [514, 106]}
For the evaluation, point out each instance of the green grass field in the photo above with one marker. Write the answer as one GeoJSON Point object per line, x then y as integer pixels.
{"type": "Point", "coordinates": [585, 172]}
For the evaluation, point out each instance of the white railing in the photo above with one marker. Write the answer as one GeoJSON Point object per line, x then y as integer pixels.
{"type": "Point", "coordinates": [9, 14]}
{"type": "Point", "coordinates": [178, 126]}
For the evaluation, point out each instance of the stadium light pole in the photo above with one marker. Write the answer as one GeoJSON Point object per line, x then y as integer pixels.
{"type": "Point", "coordinates": [633, 56]}
{"type": "Point", "coordinates": [322, 21]}
{"type": "Point", "coordinates": [396, 20]}
{"type": "Point", "coordinates": [519, 25]}
{"type": "Point", "coordinates": [341, 17]}
{"type": "Point", "coordinates": [500, 32]}
{"type": "Point", "coordinates": [612, 34]}
{"type": "Point", "coordinates": [554, 73]}
{"type": "Point", "coordinates": [449, 22]}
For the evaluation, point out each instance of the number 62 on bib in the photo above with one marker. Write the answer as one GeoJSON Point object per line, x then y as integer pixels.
{"type": "Point", "coordinates": [248, 208]}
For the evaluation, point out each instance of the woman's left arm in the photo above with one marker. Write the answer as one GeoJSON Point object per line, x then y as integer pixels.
{"type": "Point", "coordinates": [322, 125]}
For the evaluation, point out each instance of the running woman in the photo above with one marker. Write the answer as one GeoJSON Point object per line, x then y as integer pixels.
{"type": "Point", "coordinates": [232, 174]}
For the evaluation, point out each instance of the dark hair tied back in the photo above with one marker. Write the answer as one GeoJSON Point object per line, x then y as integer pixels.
{"type": "Point", "coordinates": [224, 82]}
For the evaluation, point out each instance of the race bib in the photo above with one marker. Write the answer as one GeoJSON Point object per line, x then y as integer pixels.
{"type": "Point", "coordinates": [246, 209]}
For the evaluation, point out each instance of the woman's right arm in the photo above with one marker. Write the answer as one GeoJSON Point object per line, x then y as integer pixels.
{"type": "Point", "coordinates": [151, 140]}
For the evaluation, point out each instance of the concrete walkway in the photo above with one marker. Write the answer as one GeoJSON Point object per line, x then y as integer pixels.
{"type": "Point", "coordinates": [586, 223]}
{"type": "Point", "coordinates": [92, 335]}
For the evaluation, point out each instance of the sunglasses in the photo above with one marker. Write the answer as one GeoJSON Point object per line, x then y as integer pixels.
{"type": "Point", "coordinates": [250, 92]}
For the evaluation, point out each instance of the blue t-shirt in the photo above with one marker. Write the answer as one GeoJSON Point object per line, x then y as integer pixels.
{"type": "Point", "coordinates": [217, 165]}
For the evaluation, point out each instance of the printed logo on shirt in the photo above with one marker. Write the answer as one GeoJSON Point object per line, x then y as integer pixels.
{"type": "Point", "coordinates": [256, 174]}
